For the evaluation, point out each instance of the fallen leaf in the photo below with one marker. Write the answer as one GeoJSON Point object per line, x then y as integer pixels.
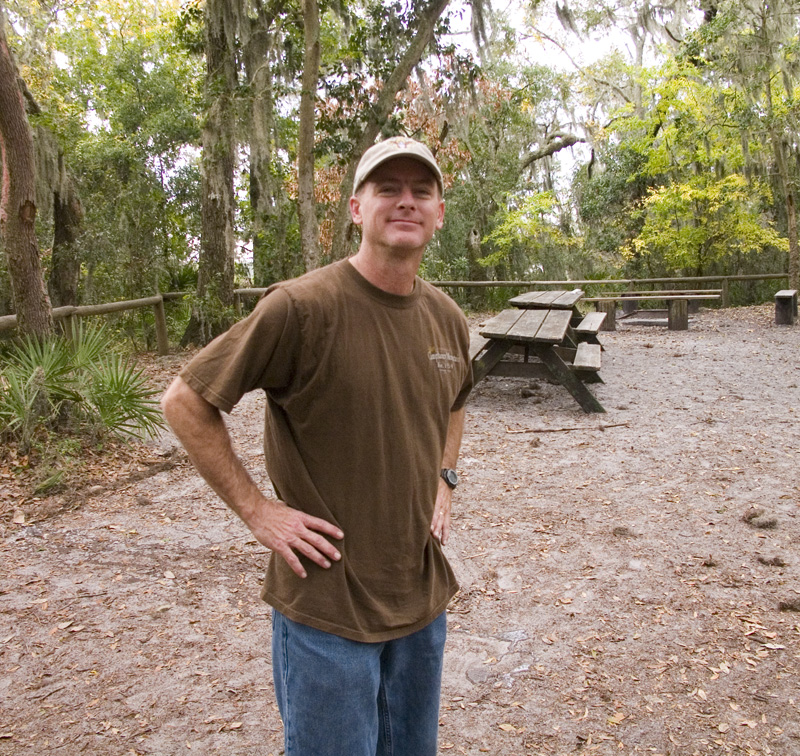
{"type": "Point", "coordinates": [724, 727]}
{"type": "Point", "coordinates": [507, 727]}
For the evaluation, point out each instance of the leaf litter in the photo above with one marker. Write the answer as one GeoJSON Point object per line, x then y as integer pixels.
{"type": "Point", "coordinates": [591, 618]}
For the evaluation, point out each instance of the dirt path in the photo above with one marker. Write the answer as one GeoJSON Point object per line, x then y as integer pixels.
{"type": "Point", "coordinates": [625, 589]}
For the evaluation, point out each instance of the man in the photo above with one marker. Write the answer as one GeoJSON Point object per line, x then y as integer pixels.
{"type": "Point", "coordinates": [366, 372]}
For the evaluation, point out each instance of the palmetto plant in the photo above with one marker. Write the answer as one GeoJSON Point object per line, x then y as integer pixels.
{"type": "Point", "coordinates": [77, 384]}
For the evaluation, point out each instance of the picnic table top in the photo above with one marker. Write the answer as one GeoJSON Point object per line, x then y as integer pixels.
{"type": "Point", "coordinates": [529, 326]}
{"type": "Point", "coordinates": [549, 300]}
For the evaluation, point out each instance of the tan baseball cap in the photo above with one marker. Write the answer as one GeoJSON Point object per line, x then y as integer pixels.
{"type": "Point", "coordinates": [395, 147]}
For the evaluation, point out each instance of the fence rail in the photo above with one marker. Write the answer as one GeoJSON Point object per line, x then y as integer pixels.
{"type": "Point", "coordinates": [69, 313]}
{"type": "Point", "coordinates": [723, 281]}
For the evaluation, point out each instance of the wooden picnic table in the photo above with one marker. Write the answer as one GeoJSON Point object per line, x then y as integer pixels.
{"type": "Point", "coordinates": [545, 330]}
{"type": "Point", "coordinates": [547, 300]}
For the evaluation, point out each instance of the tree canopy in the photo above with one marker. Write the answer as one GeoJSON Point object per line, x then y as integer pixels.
{"type": "Point", "coordinates": [198, 146]}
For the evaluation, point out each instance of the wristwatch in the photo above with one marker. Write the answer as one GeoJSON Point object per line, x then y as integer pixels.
{"type": "Point", "coordinates": [449, 476]}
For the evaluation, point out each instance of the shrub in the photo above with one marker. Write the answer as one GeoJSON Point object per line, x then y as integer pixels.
{"type": "Point", "coordinates": [80, 386]}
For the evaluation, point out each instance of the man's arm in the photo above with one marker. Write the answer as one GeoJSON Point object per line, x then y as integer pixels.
{"type": "Point", "coordinates": [202, 431]}
{"type": "Point", "coordinates": [440, 525]}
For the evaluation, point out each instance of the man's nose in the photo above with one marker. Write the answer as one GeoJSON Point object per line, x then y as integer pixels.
{"type": "Point", "coordinates": [407, 197]}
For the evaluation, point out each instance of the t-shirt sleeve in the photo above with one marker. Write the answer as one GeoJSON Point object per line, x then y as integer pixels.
{"type": "Point", "coordinates": [260, 351]}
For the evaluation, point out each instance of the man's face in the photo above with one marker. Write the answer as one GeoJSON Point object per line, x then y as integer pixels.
{"type": "Point", "coordinates": [398, 207]}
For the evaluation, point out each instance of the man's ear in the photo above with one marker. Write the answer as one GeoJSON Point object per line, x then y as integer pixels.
{"type": "Point", "coordinates": [440, 218]}
{"type": "Point", "coordinates": [355, 210]}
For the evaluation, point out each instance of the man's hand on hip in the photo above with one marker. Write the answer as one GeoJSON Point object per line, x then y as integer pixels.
{"type": "Point", "coordinates": [290, 532]}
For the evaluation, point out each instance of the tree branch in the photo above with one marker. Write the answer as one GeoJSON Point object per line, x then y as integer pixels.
{"type": "Point", "coordinates": [558, 143]}
{"type": "Point", "coordinates": [378, 114]}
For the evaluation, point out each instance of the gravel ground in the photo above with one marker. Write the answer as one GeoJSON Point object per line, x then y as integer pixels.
{"type": "Point", "coordinates": [630, 581]}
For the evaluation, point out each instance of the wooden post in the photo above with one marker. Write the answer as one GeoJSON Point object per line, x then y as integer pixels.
{"type": "Point", "coordinates": [610, 309]}
{"type": "Point", "coordinates": [785, 307]}
{"type": "Point", "coordinates": [70, 323]}
{"type": "Point", "coordinates": [678, 317]}
{"type": "Point", "coordinates": [629, 306]}
{"type": "Point", "coordinates": [162, 337]}
{"type": "Point", "coordinates": [237, 304]}
{"type": "Point", "coordinates": [726, 292]}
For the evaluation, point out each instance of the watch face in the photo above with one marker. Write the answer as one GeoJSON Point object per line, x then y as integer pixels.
{"type": "Point", "coordinates": [451, 477]}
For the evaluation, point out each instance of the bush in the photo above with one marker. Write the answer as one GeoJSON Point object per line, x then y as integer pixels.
{"type": "Point", "coordinates": [78, 386]}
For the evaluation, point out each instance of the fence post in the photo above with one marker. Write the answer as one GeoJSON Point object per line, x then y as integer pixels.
{"type": "Point", "coordinates": [629, 306]}
{"type": "Point", "coordinates": [726, 292]}
{"type": "Point", "coordinates": [678, 315]}
{"type": "Point", "coordinates": [610, 309]}
{"type": "Point", "coordinates": [162, 337]}
{"type": "Point", "coordinates": [70, 324]}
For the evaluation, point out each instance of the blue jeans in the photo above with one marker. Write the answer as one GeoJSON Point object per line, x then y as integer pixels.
{"type": "Point", "coordinates": [339, 697]}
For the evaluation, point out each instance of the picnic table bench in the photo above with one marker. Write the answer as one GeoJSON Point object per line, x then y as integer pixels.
{"type": "Point", "coordinates": [543, 330]}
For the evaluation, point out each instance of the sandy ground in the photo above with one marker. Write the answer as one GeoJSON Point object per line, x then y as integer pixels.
{"type": "Point", "coordinates": [630, 581]}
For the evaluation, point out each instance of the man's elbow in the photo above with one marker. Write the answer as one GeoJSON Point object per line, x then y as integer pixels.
{"type": "Point", "coordinates": [178, 401]}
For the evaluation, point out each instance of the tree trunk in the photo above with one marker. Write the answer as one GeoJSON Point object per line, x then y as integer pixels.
{"type": "Point", "coordinates": [211, 314]}
{"type": "Point", "coordinates": [306, 206]}
{"type": "Point", "coordinates": [268, 200]}
{"type": "Point", "coordinates": [787, 184]}
{"type": "Point", "coordinates": [791, 210]}
{"type": "Point", "coordinates": [377, 117]}
{"type": "Point", "coordinates": [56, 193]}
{"type": "Point", "coordinates": [18, 204]}
{"type": "Point", "coordinates": [65, 271]}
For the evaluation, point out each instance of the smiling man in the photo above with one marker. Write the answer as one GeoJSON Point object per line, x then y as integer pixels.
{"type": "Point", "coordinates": [366, 371]}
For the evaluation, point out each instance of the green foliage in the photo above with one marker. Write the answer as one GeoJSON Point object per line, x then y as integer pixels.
{"type": "Point", "coordinates": [702, 221]}
{"type": "Point", "coordinates": [513, 110]}
{"type": "Point", "coordinates": [523, 231]}
{"type": "Point", "coordinates": [122, 93]}
{"type": "Point", "coordinates": [120, 85]}
{"type": "Point", "coordinates": [118, 397]}
{"type": "Point", "coordinates": [75, 386]}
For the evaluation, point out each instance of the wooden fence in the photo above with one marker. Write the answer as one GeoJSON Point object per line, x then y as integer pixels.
{"type": "Point", "coordinates": [70, 313]}
{"type": "Point", "coordinates": [622, 283]}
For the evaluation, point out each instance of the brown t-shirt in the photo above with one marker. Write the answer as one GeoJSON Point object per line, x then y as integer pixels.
{"type": "Point", "coordinates": [360, 385]}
